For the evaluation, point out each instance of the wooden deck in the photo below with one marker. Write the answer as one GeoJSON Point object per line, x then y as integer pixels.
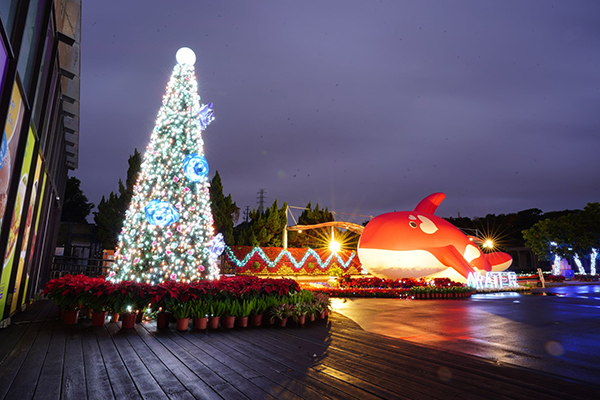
{"type": "Point", "coordinates": [42, 358]}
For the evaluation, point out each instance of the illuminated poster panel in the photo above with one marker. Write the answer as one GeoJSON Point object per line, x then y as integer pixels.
{"type": "Point", "coordinates": [3, 62]}
{"type": "Point", "coordinates": [15, 223]}
{"type": "Point", "coordinates": [30, 208]}
{"type": "Point", "coordinates": [8, 147]}
{"type": "Point", "coordinates": [35, 230]}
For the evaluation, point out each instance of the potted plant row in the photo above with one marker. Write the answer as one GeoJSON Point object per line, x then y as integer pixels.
{"type": "Point", "coordinates": [227, 302]}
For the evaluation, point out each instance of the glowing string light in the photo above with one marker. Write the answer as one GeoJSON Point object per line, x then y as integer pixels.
{"type": "Point", "coordinates": [323, 264]}
{"type": "Point", "coordinates": [578, 263]}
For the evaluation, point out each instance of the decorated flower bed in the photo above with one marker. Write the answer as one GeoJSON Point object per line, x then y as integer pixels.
{"type": "Point", "coordinates": [224, 302]}
{"type": "Point", "coordinates": [278, 261]}
{"type": "Point", "coordinates": [394, 288]}
{"type": "Point", "coordinates": [587, 278]}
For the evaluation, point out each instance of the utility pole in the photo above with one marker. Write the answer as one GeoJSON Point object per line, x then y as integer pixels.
{"type": "Point", "coordinates": [261, 200]}
{"type": "Point", "coordinates": [247, 214]}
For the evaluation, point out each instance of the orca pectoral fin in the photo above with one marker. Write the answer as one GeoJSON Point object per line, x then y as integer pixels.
{"type": "Point", "coordinates": [451, 257]}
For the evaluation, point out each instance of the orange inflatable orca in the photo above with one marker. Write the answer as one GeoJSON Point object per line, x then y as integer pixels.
{"type": "Point", "coordinates": [413, 244]}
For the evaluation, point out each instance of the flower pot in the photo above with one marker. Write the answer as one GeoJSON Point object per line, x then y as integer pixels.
{"type": "Point", "coordinates": [201, 323]}
{"type": "Point", "coordinates": [311, 317]}
{"type": "Point", "coordinates": [257, 320]}
{"type": "Point", "coordinates": [139, 316]}
{"type": "Point", "coordinates": [98, 318]}
{"type": "Point", "coordinates": [227, 322]}
{"type": "Point", "coordinates": [242, 322]}
{"type": "Point", "coordinates": [213, 322]}
{"type": "Point", "coordinates": [302, 320]}
{"type": "Point", "coordinates": [128, 320]}
{"type": "Point", "coordinates": [182, 324]}
{"type": "Point", "coordinates": [114, 317]}
{"type": "Point", "coordinates": [322, 315]}
{"type": "Point", "coordinates": [162, 320]}
{"type": "Point", "coordinates": [70, 317]}
{"type": "Point", "coordinates": [282, 322]}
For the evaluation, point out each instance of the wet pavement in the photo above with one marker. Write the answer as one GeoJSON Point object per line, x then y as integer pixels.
{"type": "Point", "coordinates": [555, 330]}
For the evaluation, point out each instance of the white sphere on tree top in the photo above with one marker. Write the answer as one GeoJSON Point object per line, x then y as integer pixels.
{"type": "Point", "coordinates": [185, 55]}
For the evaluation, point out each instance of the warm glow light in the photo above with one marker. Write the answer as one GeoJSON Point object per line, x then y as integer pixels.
{"type": "Point", "coordinates": [185, 55]}
{"type": "Point", "coordinates": [334, 246]}
{"type": "Point", "coordinates": [488, 244]}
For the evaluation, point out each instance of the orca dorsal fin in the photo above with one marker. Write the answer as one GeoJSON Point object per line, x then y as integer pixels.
{"type": "Point", "coordinates": [430, 203]}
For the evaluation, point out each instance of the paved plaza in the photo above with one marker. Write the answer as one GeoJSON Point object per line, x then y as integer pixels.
{"type": "Point", "coordinates": [442, 349]}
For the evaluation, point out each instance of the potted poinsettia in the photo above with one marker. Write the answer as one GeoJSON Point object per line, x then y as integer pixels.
{"type": "Point", "coordinates": [97, 298]}
{"type": "Point", "coordinates": [67, 292]}
{"type": "Point", "coordinates": [122, 303]}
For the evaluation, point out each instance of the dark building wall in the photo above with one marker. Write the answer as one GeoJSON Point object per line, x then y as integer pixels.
{"type": "Point", "coordinates": [39, 109]}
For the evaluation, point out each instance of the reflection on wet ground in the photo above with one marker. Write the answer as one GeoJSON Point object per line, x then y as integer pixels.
{"type": "Point", "coordinates": [556, 333]}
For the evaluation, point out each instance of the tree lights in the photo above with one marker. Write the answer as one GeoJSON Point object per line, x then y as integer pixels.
{"type": "Point", "coordinates": [168, 230]}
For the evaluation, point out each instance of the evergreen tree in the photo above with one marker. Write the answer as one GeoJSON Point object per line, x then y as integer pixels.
{"type": "Point", "coordinates": [265, 229]}
{"type": "Point", "coordinates": [111, 213]}
{"type": "Point", "coordinates": [168, 228]}
{"type": "Point", "coordinates": [225, 211]}
{"type": "Point", "coordinates": [76, 207]}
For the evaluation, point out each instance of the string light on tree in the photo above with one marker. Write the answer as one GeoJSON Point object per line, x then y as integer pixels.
{"type": "Point", "coordinates": [168, 230]}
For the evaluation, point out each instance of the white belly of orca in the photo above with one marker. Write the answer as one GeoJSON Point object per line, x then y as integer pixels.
{"type": "Point", "coordinates": [400, 264]}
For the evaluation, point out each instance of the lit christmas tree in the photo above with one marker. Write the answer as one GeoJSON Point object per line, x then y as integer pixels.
{"type": "Point", "coordinates": [168, 230]}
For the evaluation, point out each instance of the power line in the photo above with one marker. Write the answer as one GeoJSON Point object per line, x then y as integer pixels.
{"type": "Point", "coordinates": [261, 200]}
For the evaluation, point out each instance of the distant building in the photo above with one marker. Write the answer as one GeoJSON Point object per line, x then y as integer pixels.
{"type": "Point", "coordinates": [39, 107]}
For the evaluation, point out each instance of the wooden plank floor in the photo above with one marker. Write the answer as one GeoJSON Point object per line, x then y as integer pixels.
{"type": "Point", "coordinates": [41, 358]}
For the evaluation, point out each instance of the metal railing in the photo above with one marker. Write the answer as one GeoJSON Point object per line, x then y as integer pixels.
{"type": "Point", "coordinates": [94, 267]}
{"type": "Point", "coordinates": [74, 266]}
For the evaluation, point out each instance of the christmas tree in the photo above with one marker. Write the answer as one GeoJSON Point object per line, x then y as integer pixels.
{"type": "Point", "coordinates": [168, 229]}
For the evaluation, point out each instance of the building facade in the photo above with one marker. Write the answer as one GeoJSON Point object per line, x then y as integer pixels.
{"type": "Point", "coordinates": [39, 109]}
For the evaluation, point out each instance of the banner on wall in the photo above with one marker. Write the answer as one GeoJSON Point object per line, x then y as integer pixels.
{"type": "Point", "coordinates": [36, 230]}
{"type": "Point", "coordinates": [3, 62]}
{"type": "Point", "coordinates": [30, 208]}
{"type": "Point", "coordinates": [15, 223]}
{"type": "Point", "coordinates": [8, 147]}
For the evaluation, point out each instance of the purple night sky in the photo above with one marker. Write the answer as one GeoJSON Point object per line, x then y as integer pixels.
{"type": "Point", "coordinates": [361, 106]}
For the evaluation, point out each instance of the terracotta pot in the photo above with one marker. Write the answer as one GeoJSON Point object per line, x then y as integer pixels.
{"type": "Point", "coordinates": [114, 317]}
{"type": "Point", "coordinates": [98, 318]}
{"type": "Point", "coordinates": [302, 320]}
{"type": "Point", "coordinates": [227, 322]}
{"type": "Point", "coordinates": [282, 322]}
{"type": "Point", "coordinates": [242, 322]}
{"type": "Point", "coordinates": [213, 322]}
{"type": "Point", "coordinates": [128, 320]}
{"type": "Point", "coordinates": [139, 316]}
{"type": "Point", "coordinates": [200, 323]}
{"type": "Point", "coordinates": [322, 315]}
{"type": "Point", "coordinates": [257, 320]}
{"type": "Point", "coordinates": [70, 317]}
{"type": "Point", "coordinates": [162, 320]}
{"type": "Point", "coordinates": [311, 317]}
{"type": "Point", "coordinates": [183, 324]}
